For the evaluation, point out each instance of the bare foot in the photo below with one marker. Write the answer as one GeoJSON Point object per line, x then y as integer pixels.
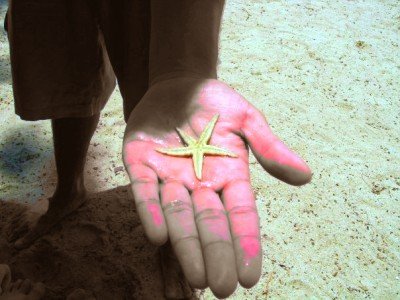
{"type": "Point", "coordinates": [19, 290]}
{"type": "Point", "coordinates": [25, 219]}
{"type": "Point", "coordinates": [175, 284]}
{"type": "Point", "coordinates": [38, 219]}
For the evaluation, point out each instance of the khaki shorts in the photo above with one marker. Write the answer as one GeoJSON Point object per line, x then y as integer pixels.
{"type": "Point", "coordinates": [67, 54]}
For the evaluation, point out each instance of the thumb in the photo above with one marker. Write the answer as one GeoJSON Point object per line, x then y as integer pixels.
{"type": "Point", "coordinates": [275, 157]}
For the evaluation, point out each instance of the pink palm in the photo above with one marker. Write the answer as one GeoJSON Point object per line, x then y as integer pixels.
{"type": "Point", "coordinates": [212, 223]}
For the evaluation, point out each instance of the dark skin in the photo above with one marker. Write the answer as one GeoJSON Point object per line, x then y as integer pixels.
{"type": "Point", "coordinates": [214, 230]}
{"type": "Point", "coordinates": [71, 141]}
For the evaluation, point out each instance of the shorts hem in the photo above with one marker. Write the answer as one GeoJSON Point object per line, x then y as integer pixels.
{"type": "Point", "coordinates": [84, 111]}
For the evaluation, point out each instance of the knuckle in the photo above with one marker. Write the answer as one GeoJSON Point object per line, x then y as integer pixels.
{"type": "Point", "coordinates": [210, 214]}
{"type": "Point", "coordinates": [218, 243]}
{"type": "Point", "coordinates": [176, 206]}
{"type": "Point", "coordinates": [141, 202]}
{"type": "Point", "coordinates": [186, 238]}
{"type": "Point", "coordinates": [242, 209]}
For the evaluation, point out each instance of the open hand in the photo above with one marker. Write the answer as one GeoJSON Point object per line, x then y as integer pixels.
{"type": "Point", "coordinates": [211, 223]}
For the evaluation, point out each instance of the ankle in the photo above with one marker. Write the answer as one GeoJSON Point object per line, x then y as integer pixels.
{"type": "Point", "coordinates": [70, 188]}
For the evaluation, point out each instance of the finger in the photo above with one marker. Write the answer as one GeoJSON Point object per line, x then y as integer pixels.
{"type": "Point", "coordinates": [5, 278]}
{"type": "Point", "coordinates": [219, 256]}
{"type": "Point", "coordinates": [182, 232]}
{"type": "Point", "coordinates": [144, 183]}
{"type": "Point", "coordinates": [276, 158]}
{"type": "Point", "coordinates": [244, 224]}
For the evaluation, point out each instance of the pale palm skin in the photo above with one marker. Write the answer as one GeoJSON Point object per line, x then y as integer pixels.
{"type": "Point", "coordinates": [212, 223]}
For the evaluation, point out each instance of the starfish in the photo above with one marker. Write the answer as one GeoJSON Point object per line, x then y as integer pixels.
{"type": "Point", "coordinates": [198, 148]}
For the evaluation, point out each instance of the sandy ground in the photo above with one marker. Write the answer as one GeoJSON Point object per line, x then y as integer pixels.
{"type": "Point", "coordinates": [327, 76]}
{"type": "Point", "coordinates": [101, 248]}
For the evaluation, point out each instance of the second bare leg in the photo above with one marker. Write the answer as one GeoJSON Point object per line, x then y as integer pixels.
{"type": "Point", "coordinates": [71, 142]}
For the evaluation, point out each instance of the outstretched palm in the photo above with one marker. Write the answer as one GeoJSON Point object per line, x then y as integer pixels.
{"type": "Point", "coordinates": [210, 219]}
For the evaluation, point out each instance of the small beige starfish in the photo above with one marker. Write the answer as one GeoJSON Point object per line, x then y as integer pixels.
{"type": "Point", "coordinates": [197, 149]}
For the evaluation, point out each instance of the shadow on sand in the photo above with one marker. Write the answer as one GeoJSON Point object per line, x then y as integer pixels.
{"type": "Point", "coordinates": [100, 248]}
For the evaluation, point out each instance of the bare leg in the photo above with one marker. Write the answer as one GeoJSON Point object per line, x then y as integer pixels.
{"type": "Point", "coordinates": [71, 141]}
{"type": "Point", "coordinates": [184, 43]}
{"type": "Point", "coordinates": [184, 39]}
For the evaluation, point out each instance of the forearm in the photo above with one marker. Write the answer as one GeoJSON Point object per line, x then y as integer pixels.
{"type": "Point", "coordinates": [184, 38]}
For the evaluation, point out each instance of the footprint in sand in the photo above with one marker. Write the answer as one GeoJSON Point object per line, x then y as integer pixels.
{"type": "Point", "coordinates": [20, 289]}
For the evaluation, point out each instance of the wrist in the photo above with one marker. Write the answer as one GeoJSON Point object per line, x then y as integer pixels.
{"type": "Point", "coordinates": [212, 74]}
{"type": "Point", "coordinates": [184, 38]}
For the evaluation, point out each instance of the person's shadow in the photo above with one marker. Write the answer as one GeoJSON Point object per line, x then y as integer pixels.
{"type": "Point", "coordinates": [100, 248]}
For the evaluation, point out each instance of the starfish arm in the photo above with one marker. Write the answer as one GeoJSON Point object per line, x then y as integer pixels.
{"type": "Point", "coordinates": [186, 138]}
{"type": "Point", "coordinates": [213, 150]}
{"type": "Point", "coordinates": [198, 163]}
{"type": "Point", "coordinates": [206, 134]}
{"type": "Point", "coordinates": [181, 151]}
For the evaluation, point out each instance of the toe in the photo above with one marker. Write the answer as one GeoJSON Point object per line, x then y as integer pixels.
{"type": "Point", "coordinates": [25, 286]}
{"type": "Point", "coordinates": [5, 278]}
{"type": "Point", "coordinates": [21, 244]}
{"type": "Point", "coordinates": [37, 292]}
{"type": "Point", "coordinates": [17, 284]}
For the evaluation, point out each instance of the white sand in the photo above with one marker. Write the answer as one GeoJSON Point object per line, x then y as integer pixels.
{"type": "Point", "coordinates": [327, 76]}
